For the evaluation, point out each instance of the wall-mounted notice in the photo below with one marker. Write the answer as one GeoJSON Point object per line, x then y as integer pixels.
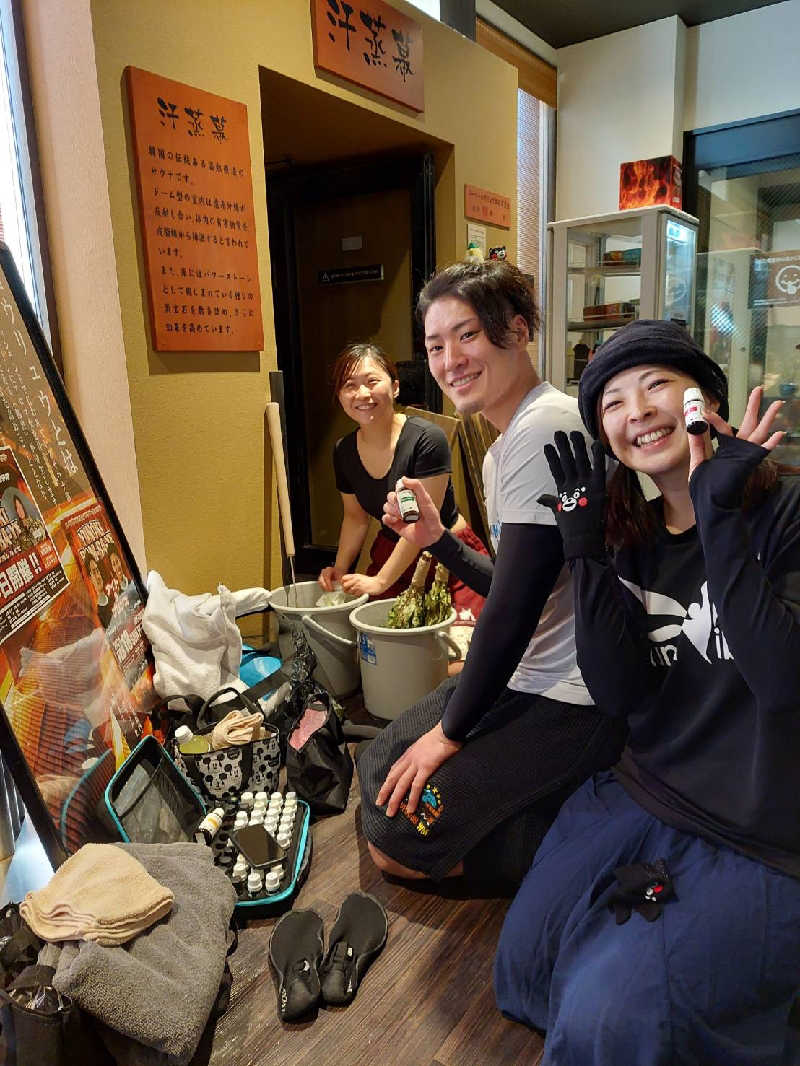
{"type": "Point", "coordinates": [192, 158]}
{"type": "Point", "coordinates": [370, 44]}
{"type": "Point", "coordinates": [485, 206]}
{"type": "Point", "coordinates": [346, 275]}
{"type": "Point", "coordinates": [775, 279]}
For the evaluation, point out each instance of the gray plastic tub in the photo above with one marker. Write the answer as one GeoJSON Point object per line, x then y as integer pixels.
{"type": "Point", "coordinates": [399, 666]}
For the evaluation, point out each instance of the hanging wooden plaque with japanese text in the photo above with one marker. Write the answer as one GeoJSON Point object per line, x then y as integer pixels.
{"type": "Point", "coordinates": [192, 157]}
{"type": "Point", "coordinates": [371, 44]}
{"type": "Point", "coordinates": [485, 206]}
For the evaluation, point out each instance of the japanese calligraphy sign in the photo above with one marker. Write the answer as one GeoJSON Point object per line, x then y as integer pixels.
{"type": "Point", "coordinates": [370, 43]}
{"type": "Point", "coordinates": [76, 673]}
{"type": "Point", "coordinates": [485, 206]}
{"type": "Point", "coordinates": [192, 160]}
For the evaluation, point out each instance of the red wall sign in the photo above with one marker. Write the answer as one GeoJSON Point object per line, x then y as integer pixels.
{"type": "Point", "coordinates": [485, 206]}
{"type": "Point", "coordinates": [192, 159]}
{"type": "Point", "coordinates": [372, 45]}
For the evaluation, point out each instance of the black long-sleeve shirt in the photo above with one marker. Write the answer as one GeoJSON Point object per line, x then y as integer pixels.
{"type": "Point", "coordinates": [695, 639]}
{"type": "Point", "coordinates": [516, 590]}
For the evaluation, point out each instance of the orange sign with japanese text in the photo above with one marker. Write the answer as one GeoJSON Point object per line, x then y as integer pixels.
{"type": "Point", "coordinates": [484, 206]}
{"type": "Point", "coordinates": [372, 45]}
{"type": "Point", "coordinates": [192, 159]}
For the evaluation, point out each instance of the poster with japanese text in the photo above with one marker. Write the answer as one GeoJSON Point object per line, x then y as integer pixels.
{"type": "Point", "coordinates": [116, 600]}
{"type": "Point", "coordinates": [31, 575]}
{"type": "Point", "coordinates": [371, 44]}
{"type": "Point", "coordinates": [75, 683]}
{"type": "Point", "coordinates": [191, 153]}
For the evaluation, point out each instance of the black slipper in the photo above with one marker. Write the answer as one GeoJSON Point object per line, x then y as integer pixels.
{"type": "Point", "coordinates": [295, 950]}
{"type": "Point", "coordinates": [357, 937]}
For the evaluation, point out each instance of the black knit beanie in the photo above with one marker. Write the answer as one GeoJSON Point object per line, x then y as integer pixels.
{"type": "Point", "coordinates": [649, 340]}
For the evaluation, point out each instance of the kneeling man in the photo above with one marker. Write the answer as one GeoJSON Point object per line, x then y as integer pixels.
{"type": "Point", "coordinates": [467, 781]}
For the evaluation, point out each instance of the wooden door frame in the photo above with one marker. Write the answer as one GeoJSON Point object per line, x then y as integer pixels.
{"type": "Point", "coordinates": [294, 187]}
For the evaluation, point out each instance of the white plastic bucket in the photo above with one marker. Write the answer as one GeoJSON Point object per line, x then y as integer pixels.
{"type": "Point", "coordinates": [399, 666]}
{"type": "Point", "coordinates": [328, 629]}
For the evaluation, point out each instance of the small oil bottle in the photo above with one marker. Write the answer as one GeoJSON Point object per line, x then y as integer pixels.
{"type": "Point", "coordinates": [209, 827]}
{"type": "Point", "coordinates": [693, 406]}
{"type": "Point", "coordinates": [407, 502]}
{"type": "Point", "coordinates": [190, 743]}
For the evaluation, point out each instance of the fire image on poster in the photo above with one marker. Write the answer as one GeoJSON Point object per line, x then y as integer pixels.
{"type": "Point", "coordinates": [76, 675]}
{"type": "Point", "coordinates": [114, 595]}
{"type": "Point", "coordinates": [31, 575]}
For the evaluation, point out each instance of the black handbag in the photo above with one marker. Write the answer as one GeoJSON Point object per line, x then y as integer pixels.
{"type": "Point", "coordinates": [39, 1026]}
{"type": "Point", "coordinates": [221, 776]}
{"type": "Point", "coordinates": [318, 765]}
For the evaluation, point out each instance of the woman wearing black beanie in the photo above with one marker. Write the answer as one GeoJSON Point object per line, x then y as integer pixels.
{"type": "Point", "coordinates": [660, 921]}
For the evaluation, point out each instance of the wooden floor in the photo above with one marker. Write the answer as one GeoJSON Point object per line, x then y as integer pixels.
{"type": "Point", "coordinates": [427, 1000]}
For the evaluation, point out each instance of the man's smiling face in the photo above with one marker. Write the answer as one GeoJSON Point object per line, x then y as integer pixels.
{"type": "Point", "coordinates": [474, 373]}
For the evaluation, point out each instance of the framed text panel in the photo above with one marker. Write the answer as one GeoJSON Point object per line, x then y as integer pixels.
{"type": "Point", "coordinates": [191, 154]}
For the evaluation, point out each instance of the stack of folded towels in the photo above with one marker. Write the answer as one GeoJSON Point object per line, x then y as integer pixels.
{"type": "Point", "coordinates": [100, 893]}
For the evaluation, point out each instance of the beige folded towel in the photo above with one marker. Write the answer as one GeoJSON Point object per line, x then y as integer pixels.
{"type": "Point", "coordinates": [100, 893]}
{"type": "Point", "coordinates": [237, 727]}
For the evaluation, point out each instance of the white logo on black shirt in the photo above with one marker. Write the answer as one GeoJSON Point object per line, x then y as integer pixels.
{"type": "Point", "coordinates": [699, 623]}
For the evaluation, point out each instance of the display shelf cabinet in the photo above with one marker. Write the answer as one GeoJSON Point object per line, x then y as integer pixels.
{"type": "Point", "coordinates": [607, 270]}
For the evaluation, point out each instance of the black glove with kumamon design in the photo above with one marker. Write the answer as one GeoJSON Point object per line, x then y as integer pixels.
{"type": "Point", "coordinates": [581, 502]}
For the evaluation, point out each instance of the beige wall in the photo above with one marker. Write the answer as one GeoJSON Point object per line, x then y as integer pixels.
{"type": "Point", "coordinates": [197, 419]}
{"type": "Point", "coordinates": [619, 98]}
{"type": "Point", "coordinates": [743, 66]}
{"type": "Point", "coordinates": [630, 95]}
{"type": "Point", "coordinates": [67, 110]}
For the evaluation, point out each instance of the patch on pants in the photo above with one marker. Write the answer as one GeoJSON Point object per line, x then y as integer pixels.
{"type": "Point", "coordinates": [429, 810]}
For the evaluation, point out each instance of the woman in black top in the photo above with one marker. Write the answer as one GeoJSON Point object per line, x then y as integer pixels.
{"type": "Point", "coordinates": [368, 462]}
{"type": "Point", "coordinates": [660, 921]}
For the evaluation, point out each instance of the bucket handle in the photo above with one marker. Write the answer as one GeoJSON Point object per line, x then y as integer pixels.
{"type": "Point", "coordinates": [452, 650]}
{"type": "Point", "coordinates": [312, 623]}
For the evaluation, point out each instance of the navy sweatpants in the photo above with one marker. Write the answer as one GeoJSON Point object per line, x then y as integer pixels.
{"type": "Point", "coordinates": [709, 983]}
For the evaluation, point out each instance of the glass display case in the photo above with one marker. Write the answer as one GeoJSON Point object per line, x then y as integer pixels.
{"type": "Point", "coordinates": [607, 270]}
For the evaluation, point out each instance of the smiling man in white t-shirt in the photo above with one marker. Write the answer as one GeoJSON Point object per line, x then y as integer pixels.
{"type": "Point", "coordinates": [468, 780]}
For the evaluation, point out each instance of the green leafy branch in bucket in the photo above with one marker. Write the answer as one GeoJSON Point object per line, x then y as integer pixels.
{"type": "Point", "coordinates": [415, 607]}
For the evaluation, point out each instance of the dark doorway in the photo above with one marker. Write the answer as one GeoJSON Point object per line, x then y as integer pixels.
{"type": "Point", "coordinates": [351, 245]}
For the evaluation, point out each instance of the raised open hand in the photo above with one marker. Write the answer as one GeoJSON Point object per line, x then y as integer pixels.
{"type": "Point", "coordinates": [723, 475]}
{"type": "Point", "coordinates": [755, 428]}
{"type": "Point", "coordinates": [580, 504]}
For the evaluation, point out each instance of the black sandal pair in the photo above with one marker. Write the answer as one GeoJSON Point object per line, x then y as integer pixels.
{"type": "Point", "coordinates": [296, 952]}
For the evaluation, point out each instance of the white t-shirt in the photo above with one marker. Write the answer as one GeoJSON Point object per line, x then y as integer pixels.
{"type": "Point", "coordinates": [515, 475]}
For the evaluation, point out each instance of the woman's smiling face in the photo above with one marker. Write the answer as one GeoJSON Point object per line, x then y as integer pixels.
{"type": "Point", "coordinates": [368, 392]}
{"type": "Point", "coordinates": [641, 413]}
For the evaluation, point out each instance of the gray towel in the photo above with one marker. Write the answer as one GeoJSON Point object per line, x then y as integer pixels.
{"type": "Point", "coordinates": [159, 988]}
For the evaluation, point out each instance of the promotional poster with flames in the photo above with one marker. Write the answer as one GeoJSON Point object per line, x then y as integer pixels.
{"type": "Point", "coordinates": [76, 676]}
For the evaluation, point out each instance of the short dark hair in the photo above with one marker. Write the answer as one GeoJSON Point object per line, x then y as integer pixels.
{"type": "Point", "coordinates": [349, 358]}
{"type": "Point", "coordinates": [494, 288]}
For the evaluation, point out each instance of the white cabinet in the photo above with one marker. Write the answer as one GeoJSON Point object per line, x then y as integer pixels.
{"type": "Point", "coordinates": [607, 270]}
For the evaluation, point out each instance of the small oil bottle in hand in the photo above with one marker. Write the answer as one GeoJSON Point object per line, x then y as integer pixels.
{"type": "Point", "coordinates": [407, 502]}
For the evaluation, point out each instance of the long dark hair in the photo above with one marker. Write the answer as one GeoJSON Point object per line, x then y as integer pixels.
{"type": "Point", "coordinates": [630, 520]}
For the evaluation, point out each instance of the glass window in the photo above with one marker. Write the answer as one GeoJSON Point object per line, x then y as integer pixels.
{"type": "Point", "coordinates": [535, 123]}
{"type": "Point", "coordinates": [748, 282]}
{"type": "Point", "coordinates": [17, 214]}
